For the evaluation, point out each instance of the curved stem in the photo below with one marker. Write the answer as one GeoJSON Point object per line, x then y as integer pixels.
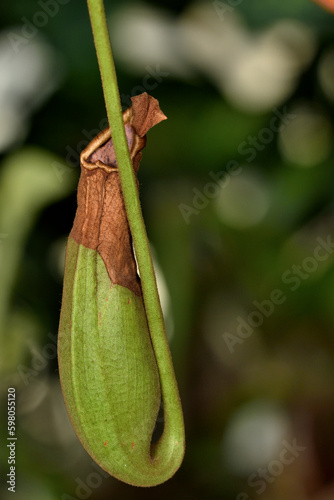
{"type": "Point", "coordinates": [172, 441]}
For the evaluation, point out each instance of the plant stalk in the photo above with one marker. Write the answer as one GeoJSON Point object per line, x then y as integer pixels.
{"type": "Point", "coordinates": [174, 429]}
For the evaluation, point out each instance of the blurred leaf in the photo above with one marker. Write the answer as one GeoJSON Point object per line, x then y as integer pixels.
{"type": "Point", "coordinates": [28, 183]}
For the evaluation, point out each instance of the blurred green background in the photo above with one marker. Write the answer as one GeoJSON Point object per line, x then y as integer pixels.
{"type": "Point", "coordinates": [237, 193]}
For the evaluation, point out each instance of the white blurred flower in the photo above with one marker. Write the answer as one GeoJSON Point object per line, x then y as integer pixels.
{"type": "Point", "coordinates": [143, 36]}
{"type": "Point", "coordinates": [27, 77]}
{"type": "Point", "coordinates": [255, 71]}
{"type": "Point", "coordinates": [254, 436]}
{"type": "Point", "coordinates": [266, 72]}
{"type": "Point", "coordinates": [208, 43]}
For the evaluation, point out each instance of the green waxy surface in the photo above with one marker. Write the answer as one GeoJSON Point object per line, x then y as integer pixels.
{"type": "Point", "coordinates": [109, 374]}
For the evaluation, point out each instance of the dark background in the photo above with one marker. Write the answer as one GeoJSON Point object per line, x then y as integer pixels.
{"type": "Point", "coordinates": [252, 249]}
